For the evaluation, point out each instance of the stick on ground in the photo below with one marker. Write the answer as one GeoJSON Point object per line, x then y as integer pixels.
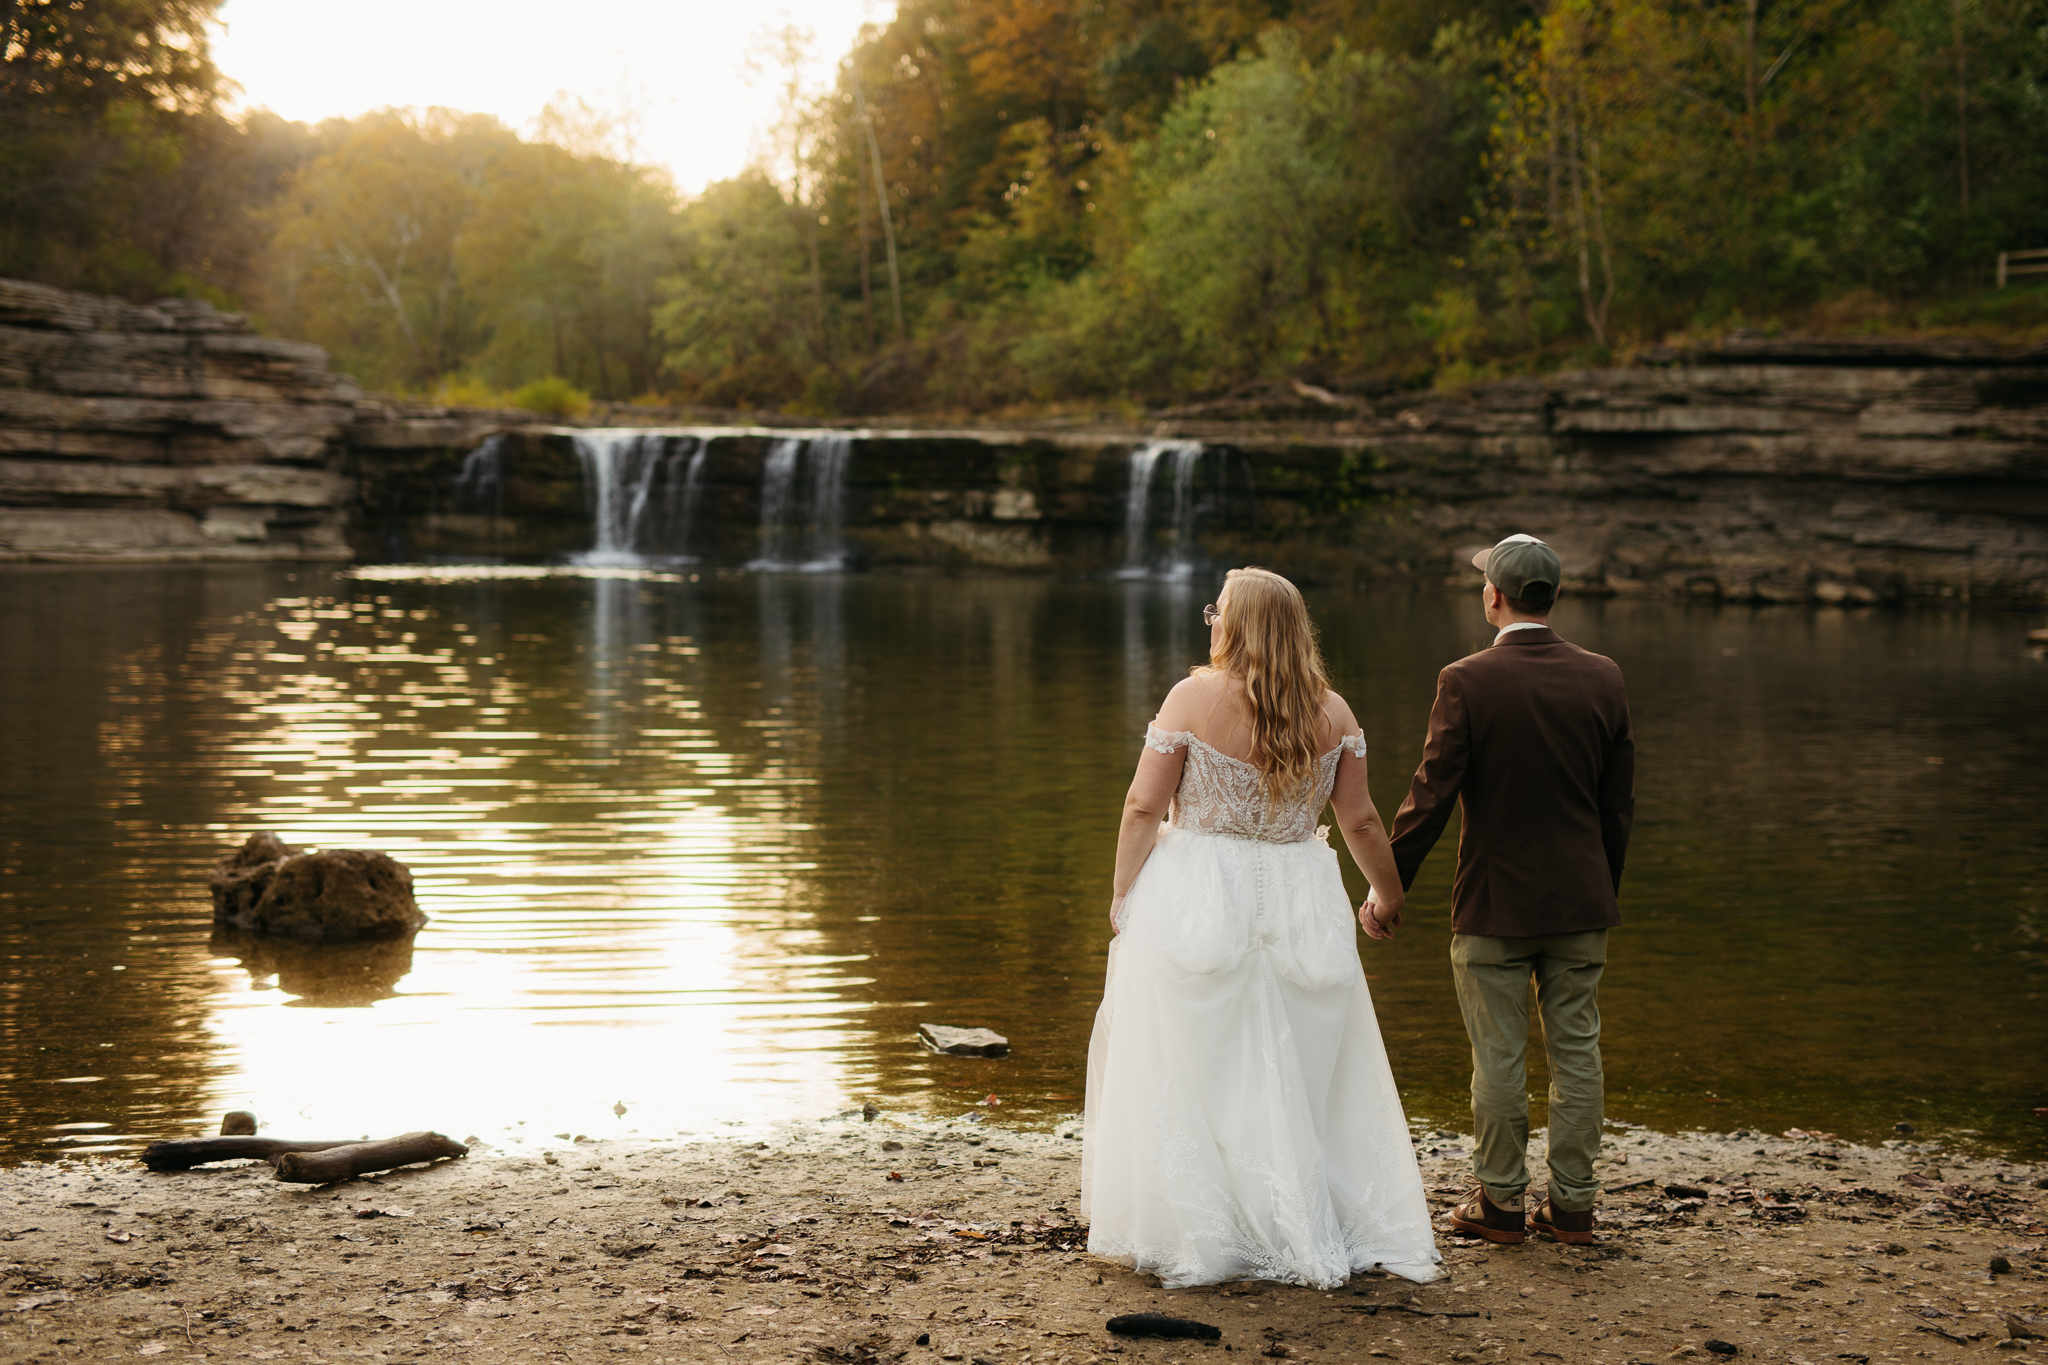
{"type": "Point", "coordinates": [338, 1162]}
{"type": "Point", "coordinates": [182, 1154]}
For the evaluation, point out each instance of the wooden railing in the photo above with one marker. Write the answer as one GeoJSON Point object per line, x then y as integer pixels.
{"type": "Point", "coordinates": [2030, 263]}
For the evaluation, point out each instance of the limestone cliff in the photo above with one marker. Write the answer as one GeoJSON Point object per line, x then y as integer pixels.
{"type": "Point", "coordinates": [163, 432]}
{"type": "Point", "coordinates": [1758, 469]}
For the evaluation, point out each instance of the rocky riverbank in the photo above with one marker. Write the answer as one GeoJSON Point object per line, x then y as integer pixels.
{"type": "Point", "coordinates": [877, 1241]}
{"type": "Point", "coordinates": [1843, 472]}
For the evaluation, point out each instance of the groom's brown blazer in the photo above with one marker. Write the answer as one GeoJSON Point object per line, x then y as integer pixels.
{"type": "Point", "coordinates": [1532, 736]}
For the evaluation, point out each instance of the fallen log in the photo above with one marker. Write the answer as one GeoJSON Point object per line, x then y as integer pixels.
{"type": "Point", "coordinates": [182, 1154]}
{"type": "Point", "coordinates": [319, 1165]}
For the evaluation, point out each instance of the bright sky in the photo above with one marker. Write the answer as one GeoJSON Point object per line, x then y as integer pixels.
{"type": "Point", "coordinates": [679, 67]}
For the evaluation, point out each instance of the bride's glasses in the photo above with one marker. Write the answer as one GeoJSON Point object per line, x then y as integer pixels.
{"type": "Point", "coordinates": [1211, 614]}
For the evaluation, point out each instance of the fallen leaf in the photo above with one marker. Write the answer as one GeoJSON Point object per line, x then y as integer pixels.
{"type": "Point", "coordinates": [151, 1348]}
{"type": "Point", "coordinates": [895, 1175]}
{"type": "Point", "coordinates": [122, 1238]}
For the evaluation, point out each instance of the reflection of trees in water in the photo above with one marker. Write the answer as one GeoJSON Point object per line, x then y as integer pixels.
{"type": "Point", "coordinates": [104, 800]}
{"type": "Point", "coordinates": [971, 791]}
{"type": "Point", "coordinates": [917, 782]}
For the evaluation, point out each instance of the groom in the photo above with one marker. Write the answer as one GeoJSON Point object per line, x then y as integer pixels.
{"type": "Point", "coordinates": [1532, 739]}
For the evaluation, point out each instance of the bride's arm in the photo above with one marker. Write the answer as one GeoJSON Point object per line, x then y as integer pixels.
{"type": "Point", "coordinates": [1364, 834]}
{"type": "Point", "coordinates": [1146, 803]}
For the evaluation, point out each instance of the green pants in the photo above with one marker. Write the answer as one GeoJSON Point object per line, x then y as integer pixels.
{"type": "Point", "coordinates": [1493, 976]}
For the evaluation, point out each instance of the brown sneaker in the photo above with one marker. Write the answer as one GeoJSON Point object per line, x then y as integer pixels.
{"type": "Point", "coordinates": [1564, 1225]}
{"type": "Point", "coordinates": [1479, 1216]}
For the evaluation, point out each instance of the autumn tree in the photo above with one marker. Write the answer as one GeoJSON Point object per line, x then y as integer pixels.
{"type": "Point", "coordinates": [109, 137]}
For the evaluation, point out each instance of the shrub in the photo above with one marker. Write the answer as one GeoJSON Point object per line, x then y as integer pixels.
{"type": "Point", "coordinates": [553, 397]}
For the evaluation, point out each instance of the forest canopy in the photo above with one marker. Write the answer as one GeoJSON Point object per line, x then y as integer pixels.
{"type": "Point", "coordinates": [1013, 204]}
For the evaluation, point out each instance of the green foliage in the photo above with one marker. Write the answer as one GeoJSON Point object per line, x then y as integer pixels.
{"type": "Point", "coordinates": [553, 396]}
{"type": "Point", "coordinates": [117, 172]}
{"type": "Point", "coordinates": [1083, 204]}
{"type": "Point", "coordinates": [417, 245]}
{"type": "Point", "coordinates": [740, 317]}
{"type": "Point", "coordinates": [1452, 322]}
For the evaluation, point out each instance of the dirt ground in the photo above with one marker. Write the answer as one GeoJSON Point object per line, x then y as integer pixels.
{"type": "Point", "coordinates": [874, 1241]}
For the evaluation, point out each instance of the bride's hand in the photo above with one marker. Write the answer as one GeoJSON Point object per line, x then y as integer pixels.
{"type": "Point", "coordinates": [1373, 919]}
{"type": "Point", "coordinates": [1116, 914]}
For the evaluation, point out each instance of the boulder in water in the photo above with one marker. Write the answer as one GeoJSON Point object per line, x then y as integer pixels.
{"type": "Point", "coordinates": [963, 1042]}
{"type": "Point", "coordinates": [269, 887]}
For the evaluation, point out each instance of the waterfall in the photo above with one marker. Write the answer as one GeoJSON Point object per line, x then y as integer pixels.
{"type": "Point", "coordinates": [803, 520]}
{"type": "Point", "coordinates": [480, 483]}
{"type": "Point", "coordinates": [829, 457]}
{"type": "Point", "coordinates": [778, 487]}
{"type": "Point", "coordinates": [1187, 463]}
{"type": "Point", "coordinates": [686, 493]}
{"type": "Point", "coordinates": [643, 489]}
{"type": "Point", "coordinates": [1187, 457]}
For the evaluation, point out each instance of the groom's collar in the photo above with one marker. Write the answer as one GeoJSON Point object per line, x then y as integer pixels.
{"type": "Point", "coordinates": [1525, 633]}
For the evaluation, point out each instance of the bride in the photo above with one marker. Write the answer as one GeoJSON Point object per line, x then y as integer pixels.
{"type": "Point", "coordinates": [1241, 1119]}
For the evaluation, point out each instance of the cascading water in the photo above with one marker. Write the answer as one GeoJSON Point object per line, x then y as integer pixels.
{"type": "Point", "coordinates": [803, 519]}
{"type": "Point", "coordinates": [1187, 458]}
{"type": "Point", "coordinates": [643, 490]}
{"type": "Point", "coordinates": [1137, 497]}
{"type": "Point", "coordinates": [830, 456]}
{"type": "Point", "coordinates": [683, 511]}
{"type": "Point", "coordinates": [480, 483]}
{"type": "Point", "coordinates": [1187, 463]}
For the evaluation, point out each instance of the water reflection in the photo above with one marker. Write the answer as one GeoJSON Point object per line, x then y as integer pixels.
{"type": "Point", "coordinates": [322, 975]}
{"type": "Point", "coordinates": [714, 847]}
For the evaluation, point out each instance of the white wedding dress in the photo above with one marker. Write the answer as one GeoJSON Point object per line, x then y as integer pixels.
{"type": "Point", "coordinates": [1242, 1122]}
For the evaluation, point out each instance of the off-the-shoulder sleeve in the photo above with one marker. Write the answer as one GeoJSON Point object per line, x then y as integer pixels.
{"type": "Point", "coordinates": [1353, 744]}
{"type": "Point", "coordinates": [1166, 741]}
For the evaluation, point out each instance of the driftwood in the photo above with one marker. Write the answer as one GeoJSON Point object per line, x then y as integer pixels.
{"type": "Point", "coordinates": [317, 1164]}
{"type": "Point", "coordinates": [182, 1154]}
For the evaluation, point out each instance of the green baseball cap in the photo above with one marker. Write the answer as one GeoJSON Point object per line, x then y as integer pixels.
{"type": "Point", "coordinates": [1523, 567]}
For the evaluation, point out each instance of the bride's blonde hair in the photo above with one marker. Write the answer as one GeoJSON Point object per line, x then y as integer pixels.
{"type": "Point", "coordinates": [1268, 643]}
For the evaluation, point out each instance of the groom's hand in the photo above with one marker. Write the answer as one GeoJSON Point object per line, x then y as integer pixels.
{"type": "Point", "coordinates": [1376, 927]}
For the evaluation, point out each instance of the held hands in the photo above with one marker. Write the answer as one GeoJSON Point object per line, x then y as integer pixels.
{"type": "Point", "coordinates": [1377, 920]}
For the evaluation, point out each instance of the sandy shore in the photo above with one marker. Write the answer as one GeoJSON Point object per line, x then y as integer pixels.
{"type": "Point", "coordinates": [865, 1241]}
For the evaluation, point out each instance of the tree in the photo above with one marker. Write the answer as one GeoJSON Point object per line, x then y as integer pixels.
{"type": "Point", "coordinates": [738, 315]}
{"type": "Point", "coordinates": [107, 111]}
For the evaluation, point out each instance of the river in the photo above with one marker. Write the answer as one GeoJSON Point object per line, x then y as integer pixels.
{"type": "Point", "coordinates": [702, 849]}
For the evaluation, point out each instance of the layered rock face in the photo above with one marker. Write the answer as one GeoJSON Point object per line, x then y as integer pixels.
{"type": "Point", "coordinates": [1847, 473]}
{"type": "Point", "coordinates": [164, 432]}
{"type": "Point", "coordinates": [1754, 470]}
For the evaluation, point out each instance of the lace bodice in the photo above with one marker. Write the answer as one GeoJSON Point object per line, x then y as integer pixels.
{"type": "Point", "coordinates": [1223, 795]}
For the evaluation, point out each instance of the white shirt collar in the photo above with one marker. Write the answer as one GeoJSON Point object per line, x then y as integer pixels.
{"type": "Point", "coordinates": [1520, 625]}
